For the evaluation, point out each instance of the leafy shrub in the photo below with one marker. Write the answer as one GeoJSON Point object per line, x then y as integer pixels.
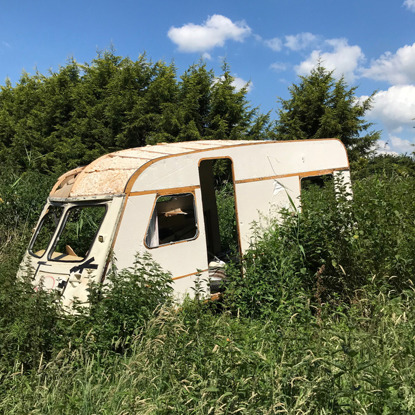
{"type": "Point", "coordinates": [122, 305]}
{"type": "Point", "coordinates": [227, 218]}
{"type": "Point", "coordinates": [369, 241]}
{"type": "Point", "coordinates": [22, 197]}
{"type": "Point", "coordinates": [28, 325]}
{"type": "Point", "coordinates": [339, 364]}
{"type": "Point", "coordinates": [33, 327]}
{"type": "Point", "coordinates": [27, 318]}
{"type": "Point", "coordinates": [273, 278]}
{"type": "Point", "coordinates": [331, 250]}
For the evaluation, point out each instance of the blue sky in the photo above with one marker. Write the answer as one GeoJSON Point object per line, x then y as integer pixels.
{"type": "Point", "coordinates": [266, 42]}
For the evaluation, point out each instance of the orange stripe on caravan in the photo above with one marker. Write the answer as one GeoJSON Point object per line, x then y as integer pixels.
{"type": "Point", "coordinates": [163, 192]}
{"type": "Point", "coordinates": [301, 175]}
{"type": "Point", "coordinates": [321, 172]}
{"type": "Point", "coordinates": [189, 275]}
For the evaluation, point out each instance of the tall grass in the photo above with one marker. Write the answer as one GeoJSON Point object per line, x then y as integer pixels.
{"type": "Point", "coordinates": [321, 322]}
{"type": "Point", "coordinates": [219, 364]}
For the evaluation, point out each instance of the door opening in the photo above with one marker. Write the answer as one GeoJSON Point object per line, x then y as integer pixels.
{"type": "Point", "coordinates": [219, 208]}
{"type": "Point", "coordinates": [219, 212]}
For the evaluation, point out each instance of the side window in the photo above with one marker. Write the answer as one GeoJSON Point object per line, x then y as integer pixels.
{"type": "Point", "coordinates": [317, 190]}
{"type": "Point", "coordinates": [172, 220]}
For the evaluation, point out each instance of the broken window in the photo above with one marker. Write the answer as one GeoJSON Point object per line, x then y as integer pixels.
{"type": "Point", "coordinates": [172, 220]}
{"type": "Point", "coordinates": [46, 230]}
{"type": "Point", "coordinates": [80, 228]}
{"type": "Point", "coordinates": [317, 190]}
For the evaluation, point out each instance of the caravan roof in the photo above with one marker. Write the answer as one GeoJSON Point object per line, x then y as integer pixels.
{"type": "Point", "coordinates": [110, 173]}
{"type": "Point", "coordinates": [119, 172]}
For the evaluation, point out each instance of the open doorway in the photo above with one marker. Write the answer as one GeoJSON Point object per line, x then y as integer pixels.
{"type": "Point", "coordinates": [220, 217]}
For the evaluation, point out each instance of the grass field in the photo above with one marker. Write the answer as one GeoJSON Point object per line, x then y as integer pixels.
{"type": "Point", "coordinates": [322, 322]}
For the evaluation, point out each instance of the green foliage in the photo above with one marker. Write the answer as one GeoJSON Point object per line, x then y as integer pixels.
{"type": "Point", "coordinates": [274, 279]}
{"type": "Point", "coordinates": [27, 322]}
{"type": "Point", "coordinates": [122, 306]}
{"type": "Point", "coordinates": [227, 219]}
{"type": "Point", "coordinates": [340, 364]}
{"type": "Point", "coordinates": [22, 197]}
{"type": "Point", "coordinates": [70, 117]}
{"type": "Point", "coordinates": [321, 107]}
{"type": "Point", "coordinates": [321, 322]}
{"type": "Point", "coordinates": [365, 242]}
{"type": "Point", "coordinates": [33, 327]}
{"type": "Point", "coordinates": [385, 165]}
{"type": "Point", "coordinates": [297, 337]}
{"type": "Point", "coordinates": [331, 250]}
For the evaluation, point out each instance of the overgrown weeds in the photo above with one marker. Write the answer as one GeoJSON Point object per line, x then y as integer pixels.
{"type": "Point", "coordinates": [321, 322]}
{"type": "Point", "coordinates": [333, 251]}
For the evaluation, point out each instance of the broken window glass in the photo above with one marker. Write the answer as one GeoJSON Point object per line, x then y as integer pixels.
{"type": "Point", "coordinates": [46, 230]}
{"type": "Point", "coordinates": [172, 220]}
{"type": "Point", "coordinates": [80, 228]}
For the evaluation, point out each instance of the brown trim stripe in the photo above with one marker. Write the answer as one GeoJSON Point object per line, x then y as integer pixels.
{"type": "Point", "coordinates": [189, 275]}
{"type": "Point", "coordinates": [301, 175]}
{"type": "Point", "coordinates": [170, 191]}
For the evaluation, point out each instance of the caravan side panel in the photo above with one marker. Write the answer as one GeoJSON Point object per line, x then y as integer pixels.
{"type": "Point", "coordinates": [183, 259]}
{"type": "Point", "coordinates": [258, 201]}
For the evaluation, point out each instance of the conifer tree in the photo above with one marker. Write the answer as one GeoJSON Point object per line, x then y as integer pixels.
{"type": "Point", "coordinates": [321, 107]}
{"type": "Point", "coordinates": [67, 118]}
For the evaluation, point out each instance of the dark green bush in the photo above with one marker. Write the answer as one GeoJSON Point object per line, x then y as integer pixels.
{"type": "Point", "coordinates": [332, 250]}
{"type": "Point", "coordinates": [122, 305]}
{"type": "Point", "coordinates": [22, 197]}
{"type": "Point", "coordinates": [274, 278]}
{"type": "Point", "coordinates": [28, 325]}
{"type": "Point", "coordinates": [367, 242]}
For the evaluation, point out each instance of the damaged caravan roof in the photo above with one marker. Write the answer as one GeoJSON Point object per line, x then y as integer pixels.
{"type": "Point", "coordinates": [111, 173]}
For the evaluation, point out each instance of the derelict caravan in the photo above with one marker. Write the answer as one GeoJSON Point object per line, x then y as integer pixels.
{"type": "Point", "coordinates": [161, 199]}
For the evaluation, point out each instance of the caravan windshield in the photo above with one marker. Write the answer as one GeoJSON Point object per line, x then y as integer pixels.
{"type": "Point", "coordinates": [46, 230]}
{"type": "Point", "coordinates": [78, 233]}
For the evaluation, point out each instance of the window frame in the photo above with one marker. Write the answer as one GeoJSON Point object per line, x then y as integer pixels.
{"type": "Point", "coordinates": [39, 228]}
{"type": "Point", "coordinates": [62, 226]}
{"type": "Point", "coordinates": [153, 211]}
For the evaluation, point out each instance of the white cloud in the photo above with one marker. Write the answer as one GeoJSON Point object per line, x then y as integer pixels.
{"type": "Point", "coordinates": [383, 147]}
{"type": "Point", "coordinates": [401, 145]}
{"type": "Point", "coordinates": [398, 68]}
{"type": "Point", "coordinates": [214, 32]}
{"type": "Point", "coordinates": [395, 108]}
{"type": "Point", "coordinates": [342, 59]}
{"type": "Point", "coordinates": [300, 41]}
{"type": "Point", "coordinates": [240, 83]}
{"type": "Point", "coordinates": [293, 42]}
{"type": "Point", "coordinates": [394, 145]}
{"type": "Point", "coordinates": [279, 66]}
{"type": "Point", "coordinates": [275, 44]}
{"type": "Point", "coordinates": [410, 5]}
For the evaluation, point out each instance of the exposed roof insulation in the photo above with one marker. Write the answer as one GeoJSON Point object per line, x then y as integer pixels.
{"type": "Point", "coordinates": [110, 173]}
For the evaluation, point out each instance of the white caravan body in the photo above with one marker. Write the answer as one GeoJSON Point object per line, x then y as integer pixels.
{"type": "Point", "coordinates": [160, 199]}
